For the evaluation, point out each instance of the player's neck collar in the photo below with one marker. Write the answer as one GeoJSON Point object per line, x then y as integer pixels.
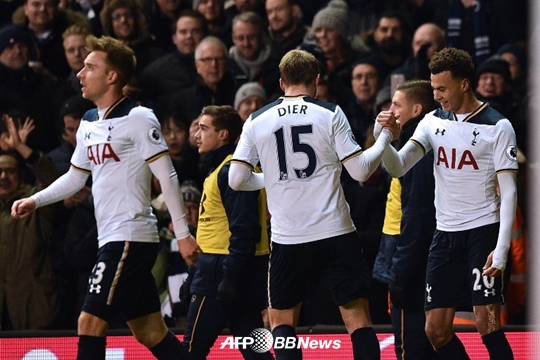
{"type": "Point", "coordinates": [112, 107]}
{"type": "Point", "coordinates": [297, 95]}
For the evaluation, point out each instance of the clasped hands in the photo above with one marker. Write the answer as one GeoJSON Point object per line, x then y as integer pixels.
{"type": "Point", "coordinates": [387, 120]}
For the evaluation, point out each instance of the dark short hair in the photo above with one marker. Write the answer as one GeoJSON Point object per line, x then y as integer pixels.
{"type": "Point", "coordinates": [177, 118]}
{"type": "Point", "coordinates": [194, 15]}
{"type": "Point", "coordinates": [458, 62]}
{"type": "Point", "coordinates": [119, 56]}
{"type": "Point", "coordinates": [225, 118]}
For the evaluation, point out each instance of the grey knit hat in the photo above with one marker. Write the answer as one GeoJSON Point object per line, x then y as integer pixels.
{"type": "Point", "coordinates": [247, 90]}
{"type": "Point", "coordinates": [190, 192]}
{"type": "Point", "coordinates": [334, 16]}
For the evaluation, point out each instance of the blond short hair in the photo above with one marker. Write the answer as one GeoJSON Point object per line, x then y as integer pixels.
{"type": "Point", "coordinates": [298, 67]}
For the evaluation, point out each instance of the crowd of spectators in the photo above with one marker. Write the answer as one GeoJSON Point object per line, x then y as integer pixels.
{"type": "Point", "coordinates": [194, 53]}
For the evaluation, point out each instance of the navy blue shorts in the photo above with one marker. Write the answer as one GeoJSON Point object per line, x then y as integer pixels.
{"type": "Point", "coordinates": [337, 263]}
{"type": "Point", "coordinates": [122, 282]}
{"type": "Point", "coordinates": [454, 269]}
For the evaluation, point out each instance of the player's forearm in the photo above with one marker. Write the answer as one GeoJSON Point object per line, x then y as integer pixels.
{"type": "Point", "coordinates": [65, 186]}
{"type": "Point", "coordinates": [362, 166]}
{"type": "Point", "coordinates": [398, 163]}
{"type": "Point", "coordinates": [508, 192]}
{"type": "Point", "coordinates": [164, 171]}
{"type": "Point", "coordinates": [241, 178]}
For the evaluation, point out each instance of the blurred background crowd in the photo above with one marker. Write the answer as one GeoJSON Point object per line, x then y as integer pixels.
{"type": "Point", "coordinates": [193, 53]}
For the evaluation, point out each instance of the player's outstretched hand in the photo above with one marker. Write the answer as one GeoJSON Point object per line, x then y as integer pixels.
{"type": "Point", "coordinates": [389, 120]}
{"type": "Point", "coordinates": [22, 208]}
{"type": "Point", "coordinates": [189, 249]}
{"type": "Point", "coordinates": [490, 270]}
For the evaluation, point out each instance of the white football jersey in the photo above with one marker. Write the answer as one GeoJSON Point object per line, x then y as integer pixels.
{"type": "Point", "coordinates": [117, 151]}
{"type": "Point", "coordinates": [301, 143]}
{"type": "Point", "coordinates": [468, 156]}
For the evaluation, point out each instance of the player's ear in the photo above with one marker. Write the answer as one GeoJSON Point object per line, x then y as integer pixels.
{"type": "Point", "coordinates": [281, 84]}
{"type": "Point", "coordinates": [112, 77]}
{"type": "Point", "coordinates": [465, 84]}
{"type": "Point", "coordinates": [417, 110]}
{"type": "Point", "coordinates": [223, 135]}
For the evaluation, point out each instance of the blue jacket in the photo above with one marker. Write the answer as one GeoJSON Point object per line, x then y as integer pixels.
{"type": "Point", "coordinates": [402, 260]}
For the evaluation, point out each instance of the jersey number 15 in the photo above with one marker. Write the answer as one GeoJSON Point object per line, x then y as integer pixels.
{"type": "Point", "coordinates": [297, 147]}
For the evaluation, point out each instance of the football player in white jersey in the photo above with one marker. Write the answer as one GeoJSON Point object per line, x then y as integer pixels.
{"type": "Point", "coordinates": [475, 169]}
{"type": "Point", "coordinates": [121, 145]}
{"type": "Point", "coordinates": [302, 144]}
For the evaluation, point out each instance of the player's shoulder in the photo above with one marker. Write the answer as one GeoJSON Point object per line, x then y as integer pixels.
{"type": "Point", "coordinates": [323, 104]}
{"type": "Point", "coordinates": [486, 115]}
{"type": "Point", "coordinates": [142, 116]}
{"type": "Point", "coordinates": [122, 108]}
{"type": "Point", "coordinates": [440, 114]}
{"type": "Point", "coordinates": [90, 115]}
{"type": "Point", "coordinates": [266, 108]}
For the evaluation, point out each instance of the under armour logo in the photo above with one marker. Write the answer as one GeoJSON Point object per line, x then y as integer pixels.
{"type": "Point", "coordinates": [203, 210]}
{"type": "Point", "coordinates": [87, 136]}
{"type": "Point", "coordinates": [428, 289]}
{"type": "Point", "coordinates": [475, 134]}
{"type": "Point", "coordinates": [439, 131]}
{"type": "Point", "coordinates": [96, 288]}
{"type": "Point", "coordinates": [110, 128]}
{"type": "Point", "coordinates": [489, 292]}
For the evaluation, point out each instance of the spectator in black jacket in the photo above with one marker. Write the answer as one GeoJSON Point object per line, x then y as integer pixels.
{"type": "Point", "coordinates": [285, 27]}
{"type": "Point", "coordinates": [214, 85]}
{"type": "Point", "coordinates": [75, 51]}
{"type": "Point", "coordinates": [251, 57]}
{"type": "Point", "coordinates": [175, 71]}
{"type": "Point", "coordinates": [46, 22]}
{"type": "Point", "coordinates": [26, 90]}
{"type": "Point", "coordinates": [161, 16]}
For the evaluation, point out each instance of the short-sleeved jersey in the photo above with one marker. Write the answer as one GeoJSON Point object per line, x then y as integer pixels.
{"type": "Point", "coordinates": [468, 156]}
{"type": "Point", "coordinates": [116, 150]}
{"type": "Point", "coordinates": [301, 143]}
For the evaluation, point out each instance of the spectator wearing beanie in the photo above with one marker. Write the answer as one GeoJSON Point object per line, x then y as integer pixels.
{"type": "Point", "coordinates": [516, 57]}
{"type": "Point", "coordinates": [27, 90]}
{"type": "Point", "coordinates": [493, 84]}
{"type": "Point", "coordinates": [330, 27]}
{"type": "Point", "coordinates": [493, 78]}
{"type": "Point", "coordinates": [249, 98]}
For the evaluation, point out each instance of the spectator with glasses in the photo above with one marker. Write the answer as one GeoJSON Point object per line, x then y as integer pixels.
{"type": "Point", "coordinates": [214, 86]}
{"type": "Point", "coordinates": [124, 20]}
